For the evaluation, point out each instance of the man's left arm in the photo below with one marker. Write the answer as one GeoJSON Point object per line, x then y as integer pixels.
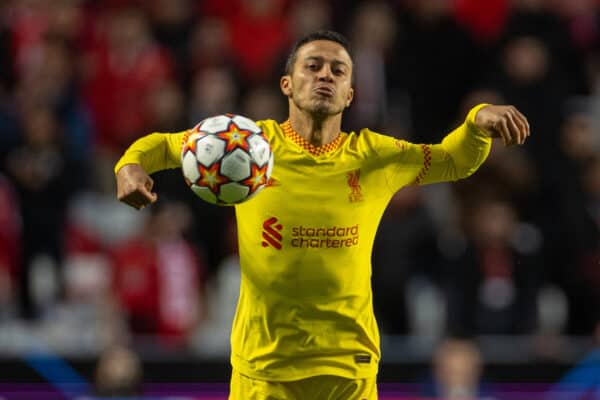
{"type": "Point", "coordinates": [463, 150]}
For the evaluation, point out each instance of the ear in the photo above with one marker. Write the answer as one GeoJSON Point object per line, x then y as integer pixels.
{"type": "Point", "coordinates": [285, 83]}
{"type": "Point", "coordinates": [350, 97]}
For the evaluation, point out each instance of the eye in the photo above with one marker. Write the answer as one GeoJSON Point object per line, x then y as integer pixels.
{"type": "Point", "coordinates": [312, 66]}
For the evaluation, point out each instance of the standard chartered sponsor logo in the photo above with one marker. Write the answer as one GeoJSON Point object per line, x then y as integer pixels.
{"type": "Point", "coordinates": [324, 237]}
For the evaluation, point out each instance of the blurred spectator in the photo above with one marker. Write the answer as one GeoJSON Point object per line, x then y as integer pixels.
{"type": "Point", "coordinates": [580, 18]}
{"type": "Point", "coordinates": [540, 19]}
{"type": "Point", "coordinates": [508, 172]}
{"type": "Point", "coordinates": [538, 68]}
{"type": "Point", "coordinates": [259, 31]}
{"type": "Point", "coordinates": [69, 21]}
{"type": "Point", "coordinates": [159, 277]}
{"type": "Point", "coordinates": [457, 372]}
{"type": "Point", "coordinates": [580, 382]}
{"type": "Point", "coordinates": [10, 247]}
{"type": "Point", "coordinates": [305, 16]}
{"type": "Point", "coordinates": [9, 127]}
{"type": "Point", "coordinates": [172, 22]}
{"type": "Point", "coordinates": [578, 140]}
{"type": "Point", "coordinates": [165, 105]}
{"type": "Point", "coordinates": [373, 34]}
{"type": "Point", "coordinates": [124, 67]}
{"type": "Point", "coordinates": [583, 233]}
{"type": "Point", "coordinates": [436, 63]}
{"type": "Point", "coordinates": [404, 249]}
{"type": "Point", "coordinates": [118, 374]}
{"type": "Point", "coordinates": [206, 232]}
{"type": "Point", "coordinates": [210, 46]}
{"type": "Point", "coordinates": [572, 200]}
{"type": "Point", "coordinates": [492, 282]}
{"type": "Point", "coordinates": [33, 21]}
{"type": "Point", "coordinates": [6, 68]}
{"type": "Point", "coordinates": [530, 78]}
{"type": "Point", "coordinates": [213, 92]}
{"type": "Point", "coordinates": [212, 339]}
{"type": "Point", "coordinates": [264, 102]}
{"type": "Point", "coordinates": [90, 313]}
{"type": "Point", "coordinates": [484, 20]}
{"type": "Point", "coordinates": [49, 77]}
{"type": "Point", "coordinates": [527, 77]}
{"type": "Point", "coordinates": [28, 21]}
{"type": "Point", "coordinates": [45, 179]}
{"type": "Point", "coordinates": [308, 16]}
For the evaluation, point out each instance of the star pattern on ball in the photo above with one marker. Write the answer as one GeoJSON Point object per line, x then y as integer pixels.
{"type": "Point", "coordinates": [211, 177]}
{"type": "Point", "coordinates": [235, 138]}
{"type": "Point", "coordinates": [191, 144]}
{"type": "Point", "coordinates": [258, 177]}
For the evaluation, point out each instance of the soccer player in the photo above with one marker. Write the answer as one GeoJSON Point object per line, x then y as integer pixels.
{"type": "Point", "coordinates": [304, 327]}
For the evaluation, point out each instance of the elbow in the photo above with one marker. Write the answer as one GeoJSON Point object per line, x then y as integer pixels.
{"type": "Point", "coordinates": [466, 167]}
{"type": "Point", "coordinates": [465, 171]}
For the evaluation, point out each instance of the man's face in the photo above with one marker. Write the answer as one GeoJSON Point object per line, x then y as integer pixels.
{"type": "Point", "coordinates": [321, 79]}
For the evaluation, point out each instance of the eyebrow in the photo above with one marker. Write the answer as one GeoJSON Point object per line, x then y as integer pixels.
{"type": "Point", "coordinates": [321, 59]}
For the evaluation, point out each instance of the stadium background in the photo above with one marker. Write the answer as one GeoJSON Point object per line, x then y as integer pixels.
{"type": "Point", "coordinates": [507, 260]}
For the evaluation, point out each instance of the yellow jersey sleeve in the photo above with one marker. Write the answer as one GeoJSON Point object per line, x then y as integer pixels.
{"type": "Point", "coordinates": [154, 152]}
{"type": "Point", "coordinates": [458, 156]}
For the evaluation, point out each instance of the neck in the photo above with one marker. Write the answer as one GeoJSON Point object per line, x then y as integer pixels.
{"type": "Point", "coordinates": [317, 131]}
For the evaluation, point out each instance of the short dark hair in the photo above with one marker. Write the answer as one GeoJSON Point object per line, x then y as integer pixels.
{"type": "Point", "coordinates": [311, 37]}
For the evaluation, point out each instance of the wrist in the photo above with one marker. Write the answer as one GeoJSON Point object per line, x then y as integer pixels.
{"type": "Point", "coordinates": [123, 163]}
{"type": "Point", "coordinates": [471, 120]}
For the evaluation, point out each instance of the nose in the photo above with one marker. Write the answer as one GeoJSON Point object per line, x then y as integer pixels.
{"type": "Point", "coordinates": [325, 73]}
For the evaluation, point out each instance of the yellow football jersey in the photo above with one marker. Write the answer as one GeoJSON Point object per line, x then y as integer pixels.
{"type": "Point", "coordinates": [305, 242]}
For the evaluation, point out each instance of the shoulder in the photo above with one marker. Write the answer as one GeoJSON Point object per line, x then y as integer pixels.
{"type": "Point", "coordinates": [367, 140]}
{"type": "Point", "coordinates": [270, 127]}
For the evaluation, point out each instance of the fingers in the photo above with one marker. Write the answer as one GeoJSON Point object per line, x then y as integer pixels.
{"type": "Point", "coordinates": [149, 197]}
{"type": "Point", "coordinates": [134, 187]}
{"type": "Point", "coordinates": [523, 121]}
{"type": "Point", "coordinates": [521, 124]}
{"type": "Point", "coordinates": [512, 126]}
{"type": "Point", "coordinates": [136, 200]}
{"type": "Point", "coordinates": [503, 131]}
{"type": "Point", "coordinates": [139, 198]}
{"type": "Point", "coordinates": [516, 130]}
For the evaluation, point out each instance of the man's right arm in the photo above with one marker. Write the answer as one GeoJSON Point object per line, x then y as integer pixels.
{"type": "Point", "coordinates": [145, 156]}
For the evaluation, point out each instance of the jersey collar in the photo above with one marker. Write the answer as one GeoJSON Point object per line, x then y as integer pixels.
{"type": "Point", "coordinates": [306, 145]}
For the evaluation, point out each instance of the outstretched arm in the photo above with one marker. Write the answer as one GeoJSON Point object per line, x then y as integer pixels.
{"type": "Point", "coordinates": [148, 154]}
{"type": "Point", "coordinates": [463, 150]}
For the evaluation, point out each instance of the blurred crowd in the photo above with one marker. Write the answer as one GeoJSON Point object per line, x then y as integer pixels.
{"type": "Point", "coordinates": [515, 249]}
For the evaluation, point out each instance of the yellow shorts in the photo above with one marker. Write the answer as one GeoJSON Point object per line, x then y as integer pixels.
{"type": "Point", "coordinates": [324, 387]}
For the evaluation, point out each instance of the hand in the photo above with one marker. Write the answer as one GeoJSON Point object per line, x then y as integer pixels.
{"type": "Point", "coordinates": [505, 122]}
{"type": "Point", "coordinates": [134, 186]}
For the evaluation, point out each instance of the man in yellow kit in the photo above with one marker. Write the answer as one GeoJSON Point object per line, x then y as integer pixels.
{"type": "Point", "coordinates": [304, 326]}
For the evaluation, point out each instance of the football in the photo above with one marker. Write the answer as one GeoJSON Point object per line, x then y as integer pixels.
{"type": "Point", "coordinates": [226, 159]}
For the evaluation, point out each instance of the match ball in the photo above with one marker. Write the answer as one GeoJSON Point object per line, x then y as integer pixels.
{"type": "Point", "coordinates": [226, 159]}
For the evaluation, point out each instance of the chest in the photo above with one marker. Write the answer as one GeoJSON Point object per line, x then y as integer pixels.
{"type": "Point", "coordinates": [342, 180]}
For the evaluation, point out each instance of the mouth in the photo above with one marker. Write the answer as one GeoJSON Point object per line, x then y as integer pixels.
{"type": "Point", "coordinates": [325, 91]}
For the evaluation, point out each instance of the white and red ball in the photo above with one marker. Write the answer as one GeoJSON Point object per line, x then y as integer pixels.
{"type": "Point", "coordinates": [226, 159]}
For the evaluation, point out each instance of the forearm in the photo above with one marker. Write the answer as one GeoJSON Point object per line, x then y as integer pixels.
{"type": "Point", "coordinates": [154, 152]}
{"type": "Point", "coordinates": [459, 154]}
{"type": "Point", "coordinates": [468, 145]}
